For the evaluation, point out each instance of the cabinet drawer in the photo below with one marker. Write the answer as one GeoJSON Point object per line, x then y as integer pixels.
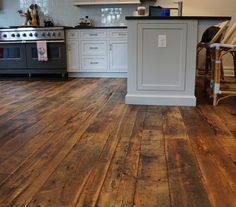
{"type": "Point", "coordinates": [118, 34]}
{"type": "Point", "coordinates": [93, 47]}
{"type": "Point", "coordinates": [72, 34]}
{"type": "Point", "coordinates": [94, 63]}
{"type": "Point", "coordinates": [88, 34]}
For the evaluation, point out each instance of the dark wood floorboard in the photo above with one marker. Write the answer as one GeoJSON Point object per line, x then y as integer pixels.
{"type": "Point", "coordinates": [75, 143]}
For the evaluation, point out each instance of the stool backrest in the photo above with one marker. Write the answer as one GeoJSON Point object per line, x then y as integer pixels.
{"type": "Point", "coordinates": [234, 41]}
{"type": "Point", "coordinates": [223, 27]}
{"type": "Point", "coordinates": [229, 34]}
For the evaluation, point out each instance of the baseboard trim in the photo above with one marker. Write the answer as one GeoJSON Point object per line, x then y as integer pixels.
{"type": "Point", "coordinates": [160, 100]}
{"type": "Point", "coordinates": [98, 74]}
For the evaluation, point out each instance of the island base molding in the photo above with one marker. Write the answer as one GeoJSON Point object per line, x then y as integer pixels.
{"type": "Point", "coordinates": [160, 100]}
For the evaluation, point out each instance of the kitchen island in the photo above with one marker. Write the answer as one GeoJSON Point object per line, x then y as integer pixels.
{"type": "Point", "coordinates": [162, 58]}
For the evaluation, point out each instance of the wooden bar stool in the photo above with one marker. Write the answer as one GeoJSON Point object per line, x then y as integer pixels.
{"type": "Point", "coordinates": [218, 50]}
{"type": "Point", "coordinates": [233, 53]}
{"type": "Point", "coordinates": [213, 34]}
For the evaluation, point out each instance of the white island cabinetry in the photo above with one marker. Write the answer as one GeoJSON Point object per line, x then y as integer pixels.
{"type": "Point", "coordinates": [162, 59]}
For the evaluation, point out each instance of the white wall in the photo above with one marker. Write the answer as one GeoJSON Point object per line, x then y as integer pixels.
{"type": "Point", "coordinates": [205, 7]}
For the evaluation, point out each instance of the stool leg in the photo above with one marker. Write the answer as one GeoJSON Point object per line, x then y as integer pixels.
{"type": "Point", "coordinates": [197, 59]}
{"type": "Point", "coordinates": [208, 60]}
{"type": "Point", "coordinates": [217, 72]}
{"type": "Point", "coordinates": [207, 67]}
{"type": "Point", "coordinates": [212, 73]}
{"type": "Point", "coordinates": [222, 69]}
{"type": "Point", "coordinates": [234, 59]}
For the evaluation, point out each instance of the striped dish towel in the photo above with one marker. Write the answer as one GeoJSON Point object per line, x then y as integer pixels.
{"type": "Point", "coordinates": [42, 50]}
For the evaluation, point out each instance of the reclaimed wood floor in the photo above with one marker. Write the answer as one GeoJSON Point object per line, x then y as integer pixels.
{"type": "Point", "coordinates": [76, 144]}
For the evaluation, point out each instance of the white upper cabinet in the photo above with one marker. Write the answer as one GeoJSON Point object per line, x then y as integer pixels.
{"type": "Point", "coordinates": [93, 2]}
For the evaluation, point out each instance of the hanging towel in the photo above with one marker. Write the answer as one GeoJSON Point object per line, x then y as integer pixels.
{"type": "Point", "coordinates": [42, 50]}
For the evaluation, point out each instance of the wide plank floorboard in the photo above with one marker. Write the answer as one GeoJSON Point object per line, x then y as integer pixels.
{"type": "Point", "coordinates": [75, 143]}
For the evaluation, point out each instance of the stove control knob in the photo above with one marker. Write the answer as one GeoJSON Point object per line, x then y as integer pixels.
{"type": "Point", "coordinates": [59, 34]}
{"type": "Point", "coordinates": [36, 34]}
{"type": "Point", "coordinates": [49, 34]}
{"type": "Point", "coordinates": [18, 35]}
{"type": "Point", "coordinates": [53, 34]}
{"type": "Point", "coordinates": [30, 34]}
{"type": "Point", "coordinates": [43, 34]}
{"type": "Point", "coordinates": [13, 35]}
{"type": "Point", "coordinates": [24, 35]}
{"type": "Point", "coordinates": [4, 35]}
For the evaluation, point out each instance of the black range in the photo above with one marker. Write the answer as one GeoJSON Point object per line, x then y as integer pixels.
{"type": "Point", "coordinates": [19, 55]}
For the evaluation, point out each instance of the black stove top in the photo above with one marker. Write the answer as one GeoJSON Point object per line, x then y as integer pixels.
{"type": "Point", "coordinates": [23, 26]}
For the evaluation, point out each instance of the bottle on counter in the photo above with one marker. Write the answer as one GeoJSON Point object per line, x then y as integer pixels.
{"type": "Point", "coordinates": [34, 21]}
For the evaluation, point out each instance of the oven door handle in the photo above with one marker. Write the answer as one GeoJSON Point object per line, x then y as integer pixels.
{"type": "Point", "coordinates": [30, 42]}
{"type": "Point", "coordinates": [48, 41]}
{"type": "Point", "coordinates": [11, 42]}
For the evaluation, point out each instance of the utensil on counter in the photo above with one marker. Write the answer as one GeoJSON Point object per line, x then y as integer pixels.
{"type": "Point", "coordinates": [48, 23]}
{"type": "Point", "coordinates": [34, 14]}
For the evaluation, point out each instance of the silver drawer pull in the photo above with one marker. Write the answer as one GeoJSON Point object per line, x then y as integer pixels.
{"type": "Point", "coordinates": [93, 63]}
{"type": "Point", "coordinates": [93, 48]}
{"type": "Point", "coordinates": [93, 34]}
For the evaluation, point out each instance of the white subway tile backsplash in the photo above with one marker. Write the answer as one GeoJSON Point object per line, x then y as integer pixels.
{"type": "Point", "coordinates": [64, 13]}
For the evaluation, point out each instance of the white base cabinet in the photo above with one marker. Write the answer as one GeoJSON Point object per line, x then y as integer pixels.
{"type": "Point", "coordinates": [97, 50]}
{"type": "Point", "coordinates": [72, 48]}
{"type": "Point", "coordinates": [72, 55]}
{"type": "Point", "coordinates": [118, 56]}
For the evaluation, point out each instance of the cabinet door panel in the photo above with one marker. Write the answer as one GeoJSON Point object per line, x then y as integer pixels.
{"type": "Point", "coordinates": [95, 63]}
{"type": "Point", "coordinates": [118, 56]}
{"type": "Point", "coordinates": [119, 34]}
{"type": "Point", "coordinates": [161, 56]}
{"type": "Point", "coordinates": [93, 47]}
{"type": "Point", "coordinates": [72, 34]}
{"type": "Point", "coordinates": [72, 55]}
{"type": "Point", "coordinates": [91, 34]}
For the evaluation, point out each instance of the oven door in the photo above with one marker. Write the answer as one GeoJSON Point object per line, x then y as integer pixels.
{"type": "Point", "coordinates": [56, 56]}
{"type": "Point", "coordinates": [12, 57]}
